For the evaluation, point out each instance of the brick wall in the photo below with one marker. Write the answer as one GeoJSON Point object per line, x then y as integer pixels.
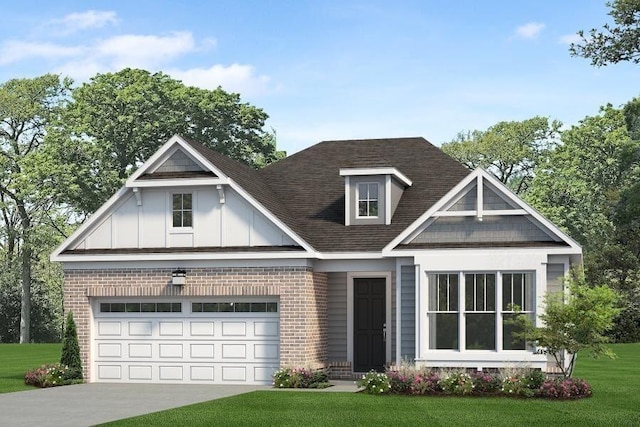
{"type": "Point", "coordinates": [302, 292]}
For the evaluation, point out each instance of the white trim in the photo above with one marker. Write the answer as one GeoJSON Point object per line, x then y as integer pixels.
{"type": "Point", "coordinates": [377, 171]}
{"type": "Point", "coordinates": [350, 311]}
{"type": "Point", "coordinates": [480, 197]}
{"type": "Point", "coordinates": [347, 201]}
{"type": "Point", "coordinates": [387, 200]}
{"type": "Point", "coordinates": [177, 182]}
{"type": "Point", "coordinates": [497, 212]}
{"type": "Point", "coordinates": [180, 256]}
{"type": "Point", "coordinates": [160, 264]}
{"type": "Point", "coordinates": [367, 183]}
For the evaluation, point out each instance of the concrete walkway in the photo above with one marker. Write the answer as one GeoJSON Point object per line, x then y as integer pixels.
{"type": "Point", "coordinates": [88, 404]}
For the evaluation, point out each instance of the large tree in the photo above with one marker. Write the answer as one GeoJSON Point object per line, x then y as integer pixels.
{"type": "Point", "coordinates": [27, 106]}
{"type": "Point", "coordinates": [509, 150]}
{"type": "Point", "coordinates": [613, 43]}
{"type": "Point", "coordinates": [118, 120]}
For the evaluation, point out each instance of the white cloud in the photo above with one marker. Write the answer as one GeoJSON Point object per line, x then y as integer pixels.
{"type": "Point", "coordinates": [15, 51]}
{"type": "Point", "coordinates": [87, 20]}
{"type": "Point", "coordinates": [530, 30]}
{"type": "Point", "coordinates": [143, 51]}
{"type": "Point", "coordinates": [233, 78]}
{"type": "Point", "coordinates": [570, 38]}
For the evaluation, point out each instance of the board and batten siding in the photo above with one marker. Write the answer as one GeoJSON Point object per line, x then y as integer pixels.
{"type": "Point", "coordinates": [337, 315]}
{"type": "Point", "coordinates": [234, 223]}
{"type": "Point", "coordinates": [408, 313]}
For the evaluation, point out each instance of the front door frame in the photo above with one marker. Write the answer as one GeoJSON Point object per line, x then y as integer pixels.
{"type": "Point", "coordinates": [350, 310]}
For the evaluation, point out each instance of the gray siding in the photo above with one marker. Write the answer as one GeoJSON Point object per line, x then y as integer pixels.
{"type": "Point", "coordinates": [491, 229]}
{"type": "Point", "coordinates": [555, 273]}
{"type": "Point", "coordinates": [179, 162]}
{"type": "Point", "coordinates": [408, 312]}
{"type": "Point", "coordinates": [337, 313]}
{"type": "Point", "coordinates": [492, 201]}
{"type": "Point", "coordinates": [396, 193]}
{"type": "Point", "coordinates": [468, 202]}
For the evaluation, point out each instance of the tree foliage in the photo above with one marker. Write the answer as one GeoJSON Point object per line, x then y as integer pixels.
{"type": "Point", "coordinates": [613, 43]}
{"type": "Point", "coordinates": [575, 321]}
{"type": "Point", "coordinates": [509, 150]}
{"type": "Point", "coordinates": [70, 348]}
{"type": "Point", "coordinates": [118, 120]}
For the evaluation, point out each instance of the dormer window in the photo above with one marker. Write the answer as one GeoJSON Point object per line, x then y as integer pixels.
{"type": "Point", "coordinates": [371, 195]}
{"type": "Point", "coordinates": [182, 210]}
{"type": "Point", "coordinates": [368, 197]}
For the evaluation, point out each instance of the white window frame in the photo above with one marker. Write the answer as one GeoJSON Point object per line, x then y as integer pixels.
{"type": "Point", "coordinates": [368, 200]}
{"type": "Point", "coordinates": [465, 311]}
{"type": "Point", "coordinates": [182, 210]}
{"type": "Point", "coordinates": [439, 310]}
{"type": "Point", "coordinates": [529, 280]}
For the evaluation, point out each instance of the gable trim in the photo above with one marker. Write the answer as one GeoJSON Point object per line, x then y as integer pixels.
{"type": "Point", "coordinates": [479, 175]}
{"type": "Point", "coordinates": [377, 171]}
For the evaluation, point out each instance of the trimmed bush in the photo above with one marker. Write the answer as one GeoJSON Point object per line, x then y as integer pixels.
{"type": "Point", "coordinates": [564, 388]}
{"type": "Point", "coordinates": [374, 383]}
{"type": "Point", "coordinates": [52, 375]}
{"type": "Point", "coordinates": [457, 382]}
{"type": "Point", "coordinates": [300, 378]}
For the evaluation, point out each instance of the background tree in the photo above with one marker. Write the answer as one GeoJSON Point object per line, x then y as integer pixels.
{"type": "Point", "coordinates": [27, 106]}
{"type": "Point", "coordinates": [118, 120]}
{"type": "Point", "coordinates": [613, 43]}
{"type": "Point", "coordinates": [509, 150]}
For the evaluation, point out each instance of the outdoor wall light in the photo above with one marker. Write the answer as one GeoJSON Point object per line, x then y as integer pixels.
{"type": "Point", "coordinates": [178, 276]}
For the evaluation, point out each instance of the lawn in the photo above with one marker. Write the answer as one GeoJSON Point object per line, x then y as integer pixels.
{"type": "Point", "coordinates": [16, 359]}
{"type": "Point", "coordinates": [616, 401]}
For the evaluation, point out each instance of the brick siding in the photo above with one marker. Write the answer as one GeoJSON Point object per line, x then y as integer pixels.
{"type": "Point", "coordinates": [302, 293]}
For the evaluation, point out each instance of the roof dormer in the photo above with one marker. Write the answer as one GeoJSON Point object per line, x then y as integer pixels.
{"type": "Point", "coordinates": [372, 194]}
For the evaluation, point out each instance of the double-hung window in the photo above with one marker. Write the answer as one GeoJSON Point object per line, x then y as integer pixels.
{"type": "Point", "coordinates": [517, 296]}
{"type": "Point", "coordinates": [480, 311]}
{"type": "Point", "coordinates": [182, 210]}
{"type": "Point", "coordinates": [368, 200]}
{"type": "Point", "coordinates": [443, 311]}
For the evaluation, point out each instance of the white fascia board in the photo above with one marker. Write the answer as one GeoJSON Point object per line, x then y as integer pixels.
{"type": "Point", "coordinates": [179, 182]}
{"type": "Point", "coordinates": [289, 232]}
{"type": "Point", "coordinates": [429, 213]}
{"type": "Point", "coordinates": [530, 210]}
{"type": "Point", "coordinates": [180, 256]}
{"type": "Point", "coordinates": [350, 255]}
{"type": "Point", "coordinates": [546, 250]}
{"type": "Point", "coordinates": [88, 224]}
{"type": "Point", "coordinates": [377, 171]}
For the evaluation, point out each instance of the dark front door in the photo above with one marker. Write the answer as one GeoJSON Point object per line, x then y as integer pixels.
{"type": "Point", "coordinates": [369, 323]}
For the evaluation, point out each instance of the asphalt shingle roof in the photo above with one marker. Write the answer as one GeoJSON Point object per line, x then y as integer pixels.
{"type": "Point", "coordinates": [306, 191]}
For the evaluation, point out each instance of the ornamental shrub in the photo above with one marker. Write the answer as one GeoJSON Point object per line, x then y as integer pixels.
{"type": "Point", "coordinates": [426, 383]}
{"type": "Point", "coordinates": [485, 383]}
{"type": "Point", "coordinates": [457, 382]}
{"type": "Point", "coordinates": [70, 349]}
{"type": "Point", "coordinates": [374, 383]}
{"type": "Point", "coordinates": [400, 381]}
{"type": "Point", "coordinates": [566, 388]}
{"type": "Point", "coordinates": [52, 375]}
{"type": "Point", "coordinates": [300, 378]}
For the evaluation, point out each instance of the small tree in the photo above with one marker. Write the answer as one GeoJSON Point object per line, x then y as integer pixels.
{"type": "Point", "coordinates": [575, 321]}
{"type": "Point", "coordinates": [70, 348]}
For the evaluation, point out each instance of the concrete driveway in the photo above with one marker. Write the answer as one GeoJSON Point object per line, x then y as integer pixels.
{"type": "Point", "coordinates": [89, 404]}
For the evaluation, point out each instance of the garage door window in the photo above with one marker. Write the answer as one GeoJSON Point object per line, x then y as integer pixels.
{"type": "Point", "coordinates": [234, 307]}
{"type": "Point", "coordinates": [141, 307]}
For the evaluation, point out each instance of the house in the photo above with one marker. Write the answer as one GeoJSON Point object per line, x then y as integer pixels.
{"type": "Point", "coordinates": [349, 255]}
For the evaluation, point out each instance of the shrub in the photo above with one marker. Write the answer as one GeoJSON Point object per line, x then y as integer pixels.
{"type": "Point", "coordinates": [566, 388]}
{"type": "Point", "coordinates": [426, 383]}
{"type": "Point", "coordinates": [70, 349]}
{"type": "Point", "coordinates": [457, 382]}
{"type": "Point", "coordinates": [485, 383]}
{"type": "Point", "coordinates": [52, 375]}
{"type": "Point", "coordinates": [400, 381]}
{"type": "Point", "coordinates": [374, 383]}
{"type": "Point", "coordinates": [300, 378]}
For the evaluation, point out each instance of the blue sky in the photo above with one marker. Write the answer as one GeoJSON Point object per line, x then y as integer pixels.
{"type": "Point", "coordinates": [337, 69]}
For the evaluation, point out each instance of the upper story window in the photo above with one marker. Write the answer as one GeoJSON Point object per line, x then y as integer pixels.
{"type": "Point", "coordinates": [368, 200]}
{"type": "Point", "coordinates": [182, 210]}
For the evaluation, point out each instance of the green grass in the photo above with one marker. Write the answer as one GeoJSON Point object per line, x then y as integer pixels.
{"type": "Point", "coordinates": [616, 401]}
{"type": "Point", "coordinates": [16, 359]}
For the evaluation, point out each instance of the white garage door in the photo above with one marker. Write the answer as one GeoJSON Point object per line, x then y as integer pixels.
{"type": "Point", "coordinates": [187, 340]}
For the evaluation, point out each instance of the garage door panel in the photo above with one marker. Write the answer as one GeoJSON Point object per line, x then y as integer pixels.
{"type": "Point", "coordinates": [265, 329]}
{"type": "Point", "coordinates": [234, 351]}
{"type": "Point", "coordinates": [234, 373]}
{"type": "Point", "coordinates": [202, 373]}
{"type": "Point", "coordinates": [141, 372]}
{"type": "Point", "coordinates": [234, 328]}
{"type": "Point", "coordinates": [202, 329]}
{"type": "Point", "coordinates": [206, 351]}
{"type": "Point", "coordinates": [140, 329]}
{"type": "Point", "coordinates": [170, 329]}
{"type": "Point", "coordinates": [170, 350]}
{"type": "Point", "coordinates": [109, 372]}
{"type": "Point", "coordinates": [109, 350]}
{"type": "Point", "coordinates": [109, 328]}
{"type": "Point", "coordinates": [265, 351]}
{"type": "Point", "coordinates": [171, 373]}
{"type": "Point", "coordinates": [140, 350]}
